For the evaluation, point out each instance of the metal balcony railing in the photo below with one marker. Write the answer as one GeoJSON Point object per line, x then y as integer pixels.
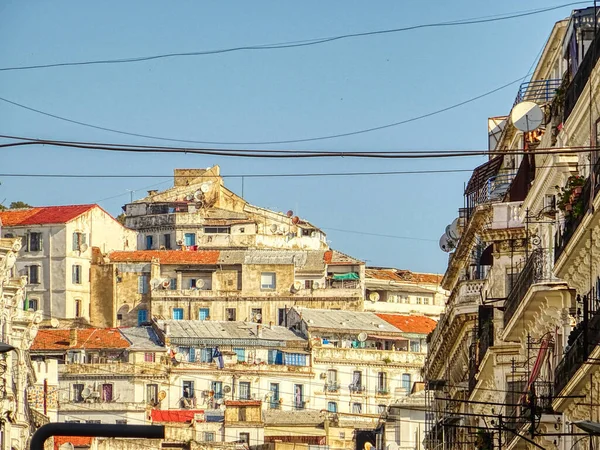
{"type": "Point", "coordinates": [535, 270]}
{"type": "Point", "coordinates": [539, 91]}
{"type": "Point", "coordinates": [331, 387]}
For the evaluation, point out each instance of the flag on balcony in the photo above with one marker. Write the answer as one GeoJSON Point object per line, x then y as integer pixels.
{"type": "Point", "coordinates": [218, 356]}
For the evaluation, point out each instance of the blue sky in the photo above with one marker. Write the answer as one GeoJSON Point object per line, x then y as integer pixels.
{"type": "Point", "coordinates": [268, 95]}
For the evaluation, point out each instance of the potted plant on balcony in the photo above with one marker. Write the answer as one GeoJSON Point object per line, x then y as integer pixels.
{"type": "Point", "coordinates": [568, 197]}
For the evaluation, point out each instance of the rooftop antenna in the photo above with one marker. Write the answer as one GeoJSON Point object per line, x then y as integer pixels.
{"type": "Point", "coordinates": [131, 191]}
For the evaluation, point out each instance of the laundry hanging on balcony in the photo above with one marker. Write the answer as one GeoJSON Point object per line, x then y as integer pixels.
{"type": "Point", "coordinates": [346, 276]}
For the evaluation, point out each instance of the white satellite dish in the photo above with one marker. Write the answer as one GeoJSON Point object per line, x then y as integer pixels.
{"type": "Point", "coordinates": [86, 393]}
{"type": "Point", "coordinates": [227, 389]}
{"type": "Point", "coordinates": [178, 357]}
{"type": "Point", "coordinates": [189, 197]}
{"type": "Point", "coordinates": [392, 446]}
{"type": "Point", "coordinates": [166, 283]}
{"type": "Point", "coordinates": [200, 283]}
{"type": "Point", "coordinates": [447, 244]}
{"type": "Point", "coordinates": [198, 195]}
{"type": "Point", "coordinates": [54, 323]}
{"type": "Point", "coordinates": [527, 116]}
{"type": "Point", "coordinates": [66, 446]}
{"type": "Point", "coordinates": [83, 247]}
{"type": "Point", "coordinates": [374, 296]}
{"type": "Point", "coordinates": [453, 230]}
{"type": "Point", "coordinates": [362, 336]}
{"type": "Point", "coordinates": [155, 283]}
{"type": "Point", "coordinates": [219, 401]}
{"type": "Point", "coordinates": [297, 285]}
{"type": "Point", "coordinates": [205, 187]}
{"type": "Point", "coordinates": [274, 228]}
{"type": "Point", "coordinates": [258, 316]}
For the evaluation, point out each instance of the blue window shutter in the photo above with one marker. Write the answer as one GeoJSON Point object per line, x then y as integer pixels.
{"type": "Point", "coordinates": [272, 355]}
{"type": "Point", "coordinates": [279, 357]}
{"type": "Point", "coordinates": [203, 313]}
{"type": "Point", "coordinates": [75, 242]}
{"type": "Point", "coordinates": [173, 283]}
{"type": "Point", "coordinates": [192, 354]}
{"type": "Point", "coordinates": [142, 316]}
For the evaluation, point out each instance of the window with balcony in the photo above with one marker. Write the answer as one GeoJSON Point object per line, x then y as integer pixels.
{"type": "Point", "coordinates": [230, 314]}
{"type": "Point", "coordinates": [79, 239]}
{"type": "Point", "coordinates": [188, 389]}
{"type": "Point", "coordinates": [356, 408]}
{"type": "Point", "coordinates": [152, 394]}
{"type": "Point", "coordinates": [33, 274]}
{"type": "Point", "coordinates": [217, 388]}
{"type": "Point", "coordinates": [78, 392]}
{"type": "Point", "coordinates": [332, 384]}
{"type": "Point", "coordinates": [267, 281]}
{"type": "Point", "coordinates": [240, 353]}
{"type": "Point", "coordinates": [356, 385]}
{"type": "Point", "coordinates": [107, 392]}
{"type": "Point", "coordinates": [415, 346]}
{"type": "Point", "coordinates": [76, 274]}
{"type": "Point", "coordinates": [32, 304]}
{"type": "Point", "coordinates": [382, 384]}
{"type": "Point", "coordinates": [244, 390]}
{"type": "Point", "coordinates": [298, 396]}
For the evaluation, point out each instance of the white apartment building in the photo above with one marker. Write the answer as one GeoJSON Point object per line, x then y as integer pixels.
{"type": "Point", "coordinates": [57, 251]}
{"type": "Point", "coordinates": [397, 291]}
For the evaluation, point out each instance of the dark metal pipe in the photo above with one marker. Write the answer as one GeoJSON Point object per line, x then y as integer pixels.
{"type": "Point", "coordinates": [94, 430]}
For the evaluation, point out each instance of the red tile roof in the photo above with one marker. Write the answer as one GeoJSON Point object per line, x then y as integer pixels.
{"type": "Point", "coordinates": [338, 258]}
{"type": "Point", "coordinates": [402, 276]}
{"type": "Point", "coordinates": [168, 256]}
{"type": "Point", "coordinates": [42, 215]}
{"type": "Point", "coordinates": [410, 324]}
{"type": "Point", "coordinates": [77, 441]}
{"type": "Point", "coordinates": [174, 415]}
{"type": "Point", "coordinates": [87, 338]}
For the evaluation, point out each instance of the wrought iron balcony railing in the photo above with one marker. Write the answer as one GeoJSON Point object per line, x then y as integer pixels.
{"type": "Point", "coordinates": [540, 91]}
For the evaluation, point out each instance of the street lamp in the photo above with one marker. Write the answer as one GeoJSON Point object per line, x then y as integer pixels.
{"type": "Point", "coordinates": [5, 348]}
{"type": "Point", "coordinates": [593, 428]}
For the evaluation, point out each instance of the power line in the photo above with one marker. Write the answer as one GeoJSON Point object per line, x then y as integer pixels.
{"type": "Point", "coordinates": [301, 43]}
{"type": "Point", "coordinates": [286, 141]}
{"type": "Point", "coordinates": [364, 233]}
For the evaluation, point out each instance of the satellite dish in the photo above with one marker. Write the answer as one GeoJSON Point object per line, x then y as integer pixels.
{"type": "Point", "coordinates": [527, 116]}
{"type": "Point", "coordinates": [447, 244]}
{"type": "Point", "coordinates": [362, 336]}
{"type": "Point", "coordinates": [392, 446]}
{"type": "Point", "coordinates": [11, 259]}
{"type": "Point", "coordinates": [258, 316]}
{"type": "Point", "coordinates": [374, 296]}
{"type": "Point", "coordinates": [227, 389]}
{"type": "Point", "coordinates": [219, 401]}
{"type": "Point", "coordinates": [166, 283]}
{"type": "Point", "coordinates": [290, 213]}
{"type": "Point", "coordinates": [453, 230]}
{"type": "Point", "coordinates": [295, 220]}
{"type": "Point", "coordinates": [54, 323]}
{"type": "Point", "coordinates": [205, 187]}
{"type": "Point", "coordinates": [200, 283]}
{"type": "Point", "coordinates": [66, 446]}
{"type": "Point", "coordinates": [155, 283]}
{"type": "Point", "coordinates": [198, 195]}
{"type": "Point", "coordinates": [189, 197]}
{"type": "Point", "coordinates": [180, 242]}
{"type": "Point", "coordinates": [313, 234]}
{"type": "Point", "coordinates": [297, 285]}
{"type": "Point", "coordinates": [274, 228]}
{"type": "Point", "coordinates": [178, 357]}
{"type": "Point", "coordinates": [86, 393]}
{"type": "Point", "coordinates": [162, 395]}
{"type": "Point", "coordinates": [38, 317]}
{"type": "Point", "coordinates": [83, 247]}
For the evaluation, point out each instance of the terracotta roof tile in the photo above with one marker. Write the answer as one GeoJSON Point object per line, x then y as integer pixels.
{"type": "Point", "coordinates": [43, 215]}
{"type": "Point", "coordinates": [338, 258]}
{"type": "Point", "coordinates": [168, 256]}
{"type": "Point", "coordinates": [77, 441]}
{"type": "Point", "coordinates": [402, 276]}
{"type": "Point", "coordinates": [87, 338]}
{"type": "Point", "coordinates": [410, 324]}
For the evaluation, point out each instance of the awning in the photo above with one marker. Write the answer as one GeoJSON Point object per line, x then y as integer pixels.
{"type": "Point", "coordinates": [483, 173]}
{"type": "Point", "coordinates": [387, 338]}
{"type": "Point", "coordinates": [346, 276]}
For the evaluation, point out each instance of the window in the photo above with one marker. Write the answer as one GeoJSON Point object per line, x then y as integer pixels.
{"type": "Point", "coordinates": [356, 385]}
{"type": "Point", "coordinates": [78, 240]}
{"type": "Point", "coordinates": [356, 408]}
{"type": "Point", "coordinates": [419, 300]}
{"type": "Point", "coordinates": [35, 242]}
{"type": "Point", "coordinates": [298, 396]}
{"type": "Point", "coordinates": [32, 304]}
{"type": "Point", "coordinates": [244, 390]}
{"type": "Point", "coordinates": [93, 421]}
{"type": "Point", "coordinates": [267, 280]}
{"type": "Point", "coordinates": [188, 353]}
{"type": "Point", "coordinates": [230, 313]}
{"type": "Point", "coordinates": [76, 274]}
{"type": "Point", "coordinates": [382, 383]}
{"type": "Point", "coordinates": [245, 438]}
{"type": "Point", "coordinates": [121, 422]}
{"type": "Point", "coordinates": [281, 316]}
{"type": "Point", "coordinates": [241, 354]}
{"type": "Point", "coordinates": [426, 300]}
{"type": "Point", "coordinates": [173, 285]}
{"type": "Point", "coordinates": [107, 392]}
{"type": "Point", "coordinates": [142, 316]}
{"type": "Point", "coordinates": [188, 389]}
{"type": "Point", "coordinates": [33, 274]}
{"type": "Point", "coordinates": [217, 388]}
{"type": "Point", "coordinates": [406, 300]}
{"type": "Point", "coordinates": [217, 230]}
{"type": "Point", "coordinates": [189, 239]}
{"type": "Point", "coordinates": [332, 379]}
{"type": "Point", "coordinates": [256, 315]}
{"type": "Point", "coordinates": [177, 313]}
{"type": "Point", "coordinates": [308, 284]}
{"type": "Point", "coordinates": [381, 409]}
{"type": "Point", "coordinates": [143, 284]}
{"type": "Point", "coordinates": [204, 314]}
{"type": "Point", "coordinates": [274, 390]}
{"type": "Point", "coordinates": [206, 355]}
{"type": "Point", "coordinates": [152, 394]}
{"type": "Point", "coordinates": [406, 385]}
{"type": "Point", "coordinates": [209, 436]}
{"type": "Point", "coordinates": [149, 357]}
{"type": "Point", "coordinates": [77, 392]}
{"type": "Point", "coordinates": [415, 346]}
{"type": "Point", "coordinates": [77, 308]}
{"type": "Point", "coordinates": [72, 421]}
{"type": "Point", "coordinates": [167, 241]}
{"type": "Point", "coordinates": [332, 407]}
{"type": "Point", "coordinates": [149, 242]}
{"type": "Point", "coordinates": [511, 278]}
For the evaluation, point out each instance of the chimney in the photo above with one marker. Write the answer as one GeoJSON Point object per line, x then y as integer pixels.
{"type": "Point", "coordinates": [270, 325]}
{"type": "Point", "coordinates": [153, 191]}
{"type": "Point", "coordinates": [259, 330]}
{"type": "Point", "coordinates": [167, 329]}
{"type": "Point", "coordinates": [73, 337]}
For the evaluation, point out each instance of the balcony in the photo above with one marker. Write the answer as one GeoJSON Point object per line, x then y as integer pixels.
{"type": "Point", "coordinates": [363, 355]}
{"type": "Point", "coordinates": [583, 340]}
{"type": "Point", "coordinates": [113, 369]}
{"type": "Point", "coordinates": [249, 368]}
{"type": "Point", "coordinates": [538, 91]}
{"type": "Point", "coordinates": [100, 406]}
{"type": "Point", "coordinates": [382, 391]}
{"type": "Point", "coordinates": [356, 389]}
{"type": "Point", "coordinates": [329, 292]}
{"type": "Point", "coordinates": [537, 268]}
{"type": "Point", "coordinates": [331, 387]}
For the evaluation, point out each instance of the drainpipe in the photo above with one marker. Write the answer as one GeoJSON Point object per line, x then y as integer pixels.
{"type": "Point", "coordinates": [50, 269]}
